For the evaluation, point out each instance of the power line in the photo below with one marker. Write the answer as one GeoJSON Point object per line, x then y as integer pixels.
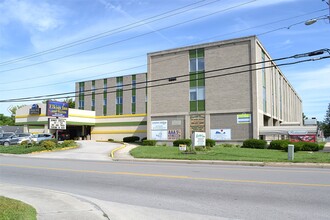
{"type": "Point", "coordinates": [177, 82]}
{"type": "Point", "coordinates": [312, 53]}
{"type": "Point", "coordinates": [108, 73]}
{"type": "Point", "coordinates": [130, 38]}
{"type": "Point", "coordinates": [107, 33]}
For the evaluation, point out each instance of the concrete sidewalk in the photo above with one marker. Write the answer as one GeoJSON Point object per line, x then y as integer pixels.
{"type": "Point", "coordinates": [53, 205]}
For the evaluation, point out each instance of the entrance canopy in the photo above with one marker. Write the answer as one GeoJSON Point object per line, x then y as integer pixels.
{"type": "Point", "coordinates": [287, 130]}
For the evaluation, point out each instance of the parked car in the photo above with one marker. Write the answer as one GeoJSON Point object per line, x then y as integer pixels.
{"type": "Point", "coordinates": [8, 138]}
{"type": "Point", "coordinates": [41, 137]}
{"type": "Point", "coordinates": [24, 137]}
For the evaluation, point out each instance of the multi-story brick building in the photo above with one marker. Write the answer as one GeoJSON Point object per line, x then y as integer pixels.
{"type": "Point", "coordinates": [230, 89]}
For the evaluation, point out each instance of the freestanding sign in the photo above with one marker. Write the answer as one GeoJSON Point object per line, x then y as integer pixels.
{"type": "Point", "coordinates": [57, 109]}
{"type": "Point", "coordinates": [57, 123]}
{"type": "Point", "coordinates": [199, 139]}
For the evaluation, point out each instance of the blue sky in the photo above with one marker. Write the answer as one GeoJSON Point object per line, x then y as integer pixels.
{"type": "Point", "coordinates": [33, 26]}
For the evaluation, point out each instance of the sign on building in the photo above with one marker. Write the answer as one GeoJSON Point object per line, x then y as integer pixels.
{"type": "Point", "coordinates": [221, 134]}
{"type": "Point", "coordinates": [159, 125]}
{"type": "Point", "coordinates": [159, 135]}
{"type": "Point", "coordinates": [243, 118]}
{"type": "Point", "coordinates": [35, 110]}
{"type": "Point", "coordinates": [57, 123]}
{"type": "Point", "coordinates": [57, 109]}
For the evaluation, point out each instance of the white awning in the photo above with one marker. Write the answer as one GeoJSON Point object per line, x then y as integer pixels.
{"type": "Point", "coordinates": [285, 130]}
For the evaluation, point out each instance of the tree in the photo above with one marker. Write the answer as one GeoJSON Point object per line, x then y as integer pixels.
{"type": "Point", "coordinates": [326, 123]}
{"type": "Point", "coordinates": [6, 120]}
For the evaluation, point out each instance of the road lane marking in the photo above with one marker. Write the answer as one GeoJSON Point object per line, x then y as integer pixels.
{"type": "Point", "coordinates": [168, 176]}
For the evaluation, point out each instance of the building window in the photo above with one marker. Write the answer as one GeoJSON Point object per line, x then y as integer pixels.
{"type": "Point", "coordinates": [197, 80]}
{"type": "Point", "coordinates": [81, 98]}
{"type": "Point", "coordinates": [105, 85]}
{"type": "Point", "coordinates": [133, 99]}
{"type": "Point", "coordinates": [133, 84]}
{"type": "Point", "coordinates": [119, 100]}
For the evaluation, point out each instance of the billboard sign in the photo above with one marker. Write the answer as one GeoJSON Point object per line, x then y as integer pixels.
{"type": "Point", "coordinates": [57, 109]}
{"type": "Point", "coordinates": [35, 110]}
{"type": "Point", "coordinates": [199, 139]}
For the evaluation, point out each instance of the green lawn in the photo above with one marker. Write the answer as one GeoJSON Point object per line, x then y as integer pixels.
{"type": "Point", "coordinates": [229, 154]}
{"type": "Point", "coordinates": [14, 209]}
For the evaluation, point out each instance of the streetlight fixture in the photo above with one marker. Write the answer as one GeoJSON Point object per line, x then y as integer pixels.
{"type": "Point", "coordinates": [312, 21]}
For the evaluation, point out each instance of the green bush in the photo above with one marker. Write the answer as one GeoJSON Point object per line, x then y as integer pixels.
{"type": "Point", "coordinates": [110, 139]}
{"type": "Point", "coordinates": [149, 142]}
{"type": "Point", "coordinates": [308, 146]}
{"type": "Point", "coordinates": [254, 143]}
{"type": "Point", "coordinates": [68, 143]}
{"type": "Point", "coordinates": [131, 139]}
{"type": "Point", "coordinates": [182, 141]}
{"type": "Point", "coordinates": [52, 140]}
{"type": "Point", "coordinates": [278, 144]}
{"type": "Point", "coordinates": [228, 145]}
{"type": "Point", "coordinates": [145, 138]}
{"type": "Point", "coordinates": [297, 146]}
{"type": "Point", "coordinates": [210, 142]}
{"type": "Point", "coordinates": [321, 145]}
{"type": "Point", "coordinates": [25, 142]}
{"type": "Point", "coordinates": [48, 144]}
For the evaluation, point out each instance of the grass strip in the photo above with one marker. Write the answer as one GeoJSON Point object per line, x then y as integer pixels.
{"type": "Point", "coordinates": [230, 154]}
{"type": "Point", "coordinates": [14, 209]}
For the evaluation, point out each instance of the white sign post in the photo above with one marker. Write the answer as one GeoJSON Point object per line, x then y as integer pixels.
{"type": "Point", "coordinates": [199, 139]}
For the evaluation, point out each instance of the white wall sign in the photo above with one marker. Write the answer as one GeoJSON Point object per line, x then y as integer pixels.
{"type": "Point", "coordinates": [221, 134]}
{"type": "Point", "coordinates": [159, 135]}
{"type": "Point", "coordinates": [159, 125]}
{"type": "Point", "coordinates": [243, 118]}
{"type": "Point", "coordinates": [57, 123]}
{"type": "Point", "coordinates": [199, 139]}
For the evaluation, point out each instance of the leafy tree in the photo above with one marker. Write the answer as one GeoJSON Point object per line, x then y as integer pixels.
{"type": "Point", "coordinates": [326, 123]}
{"type": "Point", "coordinates": [6, 120]}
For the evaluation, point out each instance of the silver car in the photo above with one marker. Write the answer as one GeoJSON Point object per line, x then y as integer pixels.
{"type": "Point", "coordinates": [24, 137]}
{"type": "Point", "coordinates": [41, 137]}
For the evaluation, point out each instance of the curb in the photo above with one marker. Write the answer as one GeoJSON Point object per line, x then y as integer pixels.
{"type": "Point", "coordinates": [222, 162]}
{"type": "Point", "coordinates": [62, 149]}
{"type": "Point", "coordinates": [114, 150]}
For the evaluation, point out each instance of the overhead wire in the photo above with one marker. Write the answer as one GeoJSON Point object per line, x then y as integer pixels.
{"type": "Point", "coordinates": [177, 82]}
{"type": "Point", "coordinates": [109, 32]}
{"type": "Point", "coordinates": [130, 38]}
{"type": "Point", "coordinates": [312, 53]}
{"type": "Point", "coordinates": [123, 59]}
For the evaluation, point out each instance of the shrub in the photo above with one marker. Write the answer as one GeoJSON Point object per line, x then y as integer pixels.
{"type": "Point", "coordinates": [131, 139]}
{"type": "Point", "coordinates": [149, 142]}
{"type": "Point", "coordinates": [52, 140]}
{"type": "Point", "coordinates": [25, 142]}
{"type": "Point", "coordinates": [254, 143]}
{"type": "Point", "coordinates": [110, 139]}
{"type": "Point", "coordinates": [68, 143]}
{"type": "Point", "coordinates": [182, 141]}
{"type": "Point", "coordinates": [278, 144]}
{"type": "Point", "coordinates": [228, 145]}
{"type": "Point", "coordinates": [210, 142]}
{"type": "Point", "coordinates": [48, 144]}
{"type": "Point", "coordinates": [308, 146]}
{"type": "Point", "coordinates": [297, 146]}
{"type": "Point", "coordinates": [145, 138]}
{"type": "Point", "coordinates": [321, 145]}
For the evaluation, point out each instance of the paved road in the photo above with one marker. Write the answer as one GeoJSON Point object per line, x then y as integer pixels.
{"type": "Point", "coordinates": [88, 150]}
{"type": "Point", "coordinates": [179, 191]}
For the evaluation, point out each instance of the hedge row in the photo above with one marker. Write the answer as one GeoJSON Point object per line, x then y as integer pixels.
{"type": "Point", "coordinates": [282, 145]}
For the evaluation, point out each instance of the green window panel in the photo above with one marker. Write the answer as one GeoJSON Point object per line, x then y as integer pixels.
{"type": "Point", "coordinates": [104, 110]}
{"type": "Point", "coordinates": [133, 108]}
{"type": "Point", "coordinates": [201, 105]}
{"type": "Point", "coordinates": [133, 77]}
{"type": "Point", "coordinates": [93, 108]}
{"type": "Point", "coordinates": [93, 95]}
{"type": "Point", "coordinates": [200, 52]}
{"type": "Point", "coordinates": [119, 93]}
{"type": "Point", "coordinates": [119, 109]}
{"type": "Point", "coordinates": [193, 106]}
{"type": "Point", "coordinates": [201, 79]}
{"type": "Point", "coordinates": [133, 92]}
{"type": "Point", "coordinates": [193, 78]}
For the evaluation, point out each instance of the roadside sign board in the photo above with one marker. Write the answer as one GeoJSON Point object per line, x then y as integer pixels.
{"type": "Point", "coordinates": [57, 123]}
{"type": "Point", "coordinates": [57, 109]}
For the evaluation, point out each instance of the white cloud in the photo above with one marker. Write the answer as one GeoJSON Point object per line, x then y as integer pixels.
{"type": "Point", "coordinates": [41, 17]}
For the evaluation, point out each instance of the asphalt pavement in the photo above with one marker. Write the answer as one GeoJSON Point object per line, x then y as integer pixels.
{"type": "Point", "coordinates": [57, 205]}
